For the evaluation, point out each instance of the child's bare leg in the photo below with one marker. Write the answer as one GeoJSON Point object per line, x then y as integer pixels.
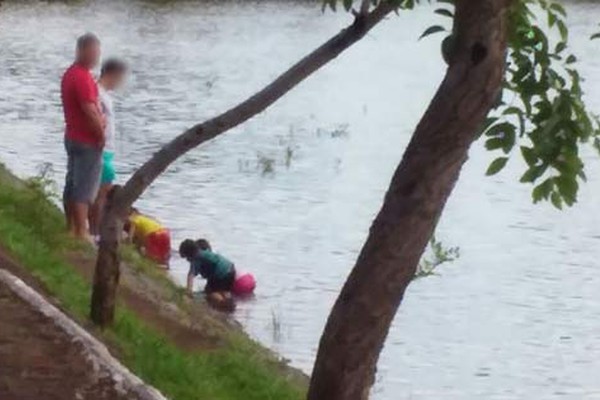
{"type": "Point", "coordinates": [222, 301]}
{"type": "Point", "coordinates": [97, 209]}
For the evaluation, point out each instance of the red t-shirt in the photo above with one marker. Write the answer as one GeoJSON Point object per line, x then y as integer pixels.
{"type": "Point", "coordinates": [77, 88]}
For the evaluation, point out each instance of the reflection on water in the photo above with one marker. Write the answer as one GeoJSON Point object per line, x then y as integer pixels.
{"type": "Point", "coordinates": [290, 195]}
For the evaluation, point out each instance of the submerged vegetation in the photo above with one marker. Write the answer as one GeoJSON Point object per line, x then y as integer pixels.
{"type": "Point", "coordinates": [31, 230]}
{"type": "Point", "coordinates": [285, 152]}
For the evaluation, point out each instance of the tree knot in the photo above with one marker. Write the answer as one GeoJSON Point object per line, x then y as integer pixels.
{"type": "Point", "coordinates": [478, 53]}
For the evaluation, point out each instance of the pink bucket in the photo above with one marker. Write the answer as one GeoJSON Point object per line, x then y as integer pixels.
{"type": "Point", "coordinates": [244, 285]}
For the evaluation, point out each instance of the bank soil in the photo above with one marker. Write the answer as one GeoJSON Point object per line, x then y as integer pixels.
{"type": "Point", "coordinates": [40, 361]}
{"type": "Point", "coordinates": [150, 300]}
{"type": "Point", "coordinates": [191, 325]}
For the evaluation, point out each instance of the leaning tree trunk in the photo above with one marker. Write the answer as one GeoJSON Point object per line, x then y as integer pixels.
{"type": "Point", "coordinates": [106, 273]}
{"type": "Point", "coordinates": [107, 264]}
{"type": "Point", "coordinates": [359, 322]}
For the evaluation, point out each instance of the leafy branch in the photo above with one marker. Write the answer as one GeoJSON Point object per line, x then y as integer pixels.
{"type": "Point", "coordinates": [439, 255]}
{"type": "Point", "coordinates": [545, 115]}
{"type": "Point", "coordinates": [541, 109]}
{"type": "Point", "coordinates": [348, 5]}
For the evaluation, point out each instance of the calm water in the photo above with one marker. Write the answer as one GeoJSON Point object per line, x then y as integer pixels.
{"type": "Point", "coordinates": [518, 316]}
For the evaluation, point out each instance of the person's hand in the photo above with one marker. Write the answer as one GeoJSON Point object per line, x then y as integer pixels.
{"type": "Point", "coordinates": [101, 139]}
{"type": "Point", "coordinates": [104, 122]}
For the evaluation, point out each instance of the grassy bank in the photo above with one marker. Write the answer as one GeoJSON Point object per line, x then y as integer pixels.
{"type": "Point", "coordinates": [32, 232]}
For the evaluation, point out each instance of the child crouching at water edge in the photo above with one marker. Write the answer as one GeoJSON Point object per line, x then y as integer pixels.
{"type": "Point", "coordinates": [218, 271]}
{"type": "Point", "coordinates": [149, 236]}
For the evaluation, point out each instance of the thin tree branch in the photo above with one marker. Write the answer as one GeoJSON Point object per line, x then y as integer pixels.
{"type": "Point", "coordinates": [364, 7]}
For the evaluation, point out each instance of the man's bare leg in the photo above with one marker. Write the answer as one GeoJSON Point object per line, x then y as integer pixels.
{"type": "Point", "coordinates": [80, 221]}
{"type": "Point", "coordinates": [69, 217]}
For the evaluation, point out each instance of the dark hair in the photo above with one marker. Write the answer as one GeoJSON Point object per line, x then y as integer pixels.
{"type": "Point", "coordinates": [86, 40]}
{"type": "Point", "coordinates": [113, 66]}
{"type": "Point", "coordinates": [188, 248]}
{"type": "Point", "coordinates": [203, 244]}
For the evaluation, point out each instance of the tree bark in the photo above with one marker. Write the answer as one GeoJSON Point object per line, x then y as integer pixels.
{"type": "Point", "coordinates": [107, 271]}
{"type": "Point", "coordinates": [359, 322]}
{"type": "Point", "coordinates": [107, 265]}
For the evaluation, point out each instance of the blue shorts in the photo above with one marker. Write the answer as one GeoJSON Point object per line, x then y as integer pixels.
{"type": "Point", "coordinates": [83, 172]}
{"type": "Point", "coordinates": [108, 168]}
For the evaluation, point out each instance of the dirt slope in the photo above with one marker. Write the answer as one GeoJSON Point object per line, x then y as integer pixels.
{"type": "Point", "coordinates": [39, 361]}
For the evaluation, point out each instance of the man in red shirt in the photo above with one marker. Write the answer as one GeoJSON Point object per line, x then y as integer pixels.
{"type": "Point", "coordinates": [84, 135]}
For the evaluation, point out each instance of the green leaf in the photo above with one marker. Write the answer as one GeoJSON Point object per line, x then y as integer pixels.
{"type": "Point", "coordinates": [486, 124]}
{"type": "Point", "coordinates": [529, 155]}
{"type": "Point", "coordinates": [558, 8]}
{"type": "Point", "coordinates": [568, 188]}
{"type": "Point", "coordinates": [509, 139]}
{"type": "Point", "coordinates": [551, 19]}
{"type": "Point", "coordinates": [444, 12]}
{"type": "Point", "coordinates": [494, 143]}
{"type": "Point", "coordinates": [595, 36]}
{"type": "Point", "coordinates": [496, 166]}
{"type": "Point", "coordinates": [533, 173]}
{"type": "Point", "coordinates": [499, 129]}
{"type": "Point", "coordinates": [520, 115]}
{"type": "Point", "coordinates": [503, 136]}
{"type": "Point", "coordinates": [431, 30]}
{"type": "Point", "coordinates": [332, 4]}
{"type": "Point", "coordinates": [543, 190]}
{"type": "Point", "coordinates": [563, 30]}
{"type": "Point", "coordinates": [556, 200]}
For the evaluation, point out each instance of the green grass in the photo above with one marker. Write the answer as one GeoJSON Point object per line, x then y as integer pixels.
{"type": "Point", "coordinates": [31, 229]}
{"type": "Point", "coordinates": [142, 265]}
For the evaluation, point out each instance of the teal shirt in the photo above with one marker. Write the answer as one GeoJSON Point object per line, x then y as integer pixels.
{"type": "Point", "coordinates": [211, 265]}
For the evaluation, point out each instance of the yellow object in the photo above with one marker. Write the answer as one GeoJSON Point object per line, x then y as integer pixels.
{"type": "Point", "coordinates": [143, 226]}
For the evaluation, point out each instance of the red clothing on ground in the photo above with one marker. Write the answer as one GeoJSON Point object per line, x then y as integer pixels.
{"type": "Point", "coordinates": [77, 88]}
{"type": "Point", "coordinates": [158, 246]}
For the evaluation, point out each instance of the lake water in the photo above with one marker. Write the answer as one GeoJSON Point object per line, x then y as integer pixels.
{"type": "Point", "coordinates": [291, 194]}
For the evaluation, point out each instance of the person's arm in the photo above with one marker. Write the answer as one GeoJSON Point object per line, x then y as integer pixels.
{"type": "Point", "coordinates": [96, 120]}
{"type": "Point", "coordinates": [190, 283]}
{"type": "Point", "coordinates": [87, 96]}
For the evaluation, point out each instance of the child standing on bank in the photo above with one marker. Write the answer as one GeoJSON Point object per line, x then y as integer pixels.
{"type": "Point", "coordinates": [112, 77]}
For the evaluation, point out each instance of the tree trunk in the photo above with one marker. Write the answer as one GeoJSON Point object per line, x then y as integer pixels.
{"type": "Point", "coordinates": [106, 274]}
{"type": "Point", "coordinates": [107, 265]}
{"type": "Point", "coordinates": [359, 322]}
